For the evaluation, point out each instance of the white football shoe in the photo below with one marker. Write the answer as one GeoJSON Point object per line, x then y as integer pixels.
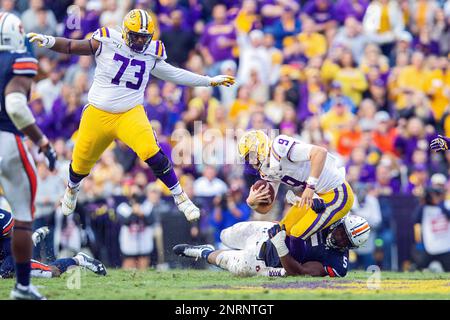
{"type": "Point", "coordinates": [26, 293]}
{"type": "Point", "coordinates": [186, 250]}
{"type": "Point", "coordinates": [90, 263]}
{"type": "Point", "coordinates": [185, 205]}
{"type": "Point", "coordinates": [69, 201]}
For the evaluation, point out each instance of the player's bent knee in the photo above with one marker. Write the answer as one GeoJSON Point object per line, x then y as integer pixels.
{"type": "Point", "coordinates": [159, 163]}
{"type": "Point", "coordinates": [146, 153]}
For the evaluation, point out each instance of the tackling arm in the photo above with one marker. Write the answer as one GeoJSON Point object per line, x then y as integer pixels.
{"type": "Point", "coordinates": [295, 268]}
{"type": "Point", "coordinates": [277, 236]}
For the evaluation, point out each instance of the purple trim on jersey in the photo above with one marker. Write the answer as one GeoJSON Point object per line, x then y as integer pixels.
{"type": "Point", "coordinates": [99, 50]}
{"type": "Point", "coordinates": [157, 47]}
{"type": "Point", "coordinates": [341, 206]}
{"type": "Point", "coordinates": [275, 153]}
{"type": "Point", "coordinates": [162, 52]}
{"type": "Point", "coordinates": [107, 32]}
{"type": "Point", "coordinates": [289, 151]}
{"type": "Point", "coordinates": [316, 221]}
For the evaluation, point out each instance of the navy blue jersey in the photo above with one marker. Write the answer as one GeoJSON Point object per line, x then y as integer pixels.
{"type": "Point", "coordinates": [13, 64]}
{"type": "Point", "coordinates": [6, 259]}
{"type": "Point", "coordinates": [313, 249]}
{"type": "Point", "coordinates": [6, 223]}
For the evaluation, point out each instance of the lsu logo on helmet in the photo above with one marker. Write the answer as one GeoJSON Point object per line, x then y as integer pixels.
{"type": "Point", "coordinates": [254, 147]}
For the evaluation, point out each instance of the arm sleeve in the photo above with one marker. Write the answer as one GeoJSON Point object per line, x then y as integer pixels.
{"type": "Point", "coordinates": [167, 72]}
{"type": "Point", "coordinates": [25, 65]}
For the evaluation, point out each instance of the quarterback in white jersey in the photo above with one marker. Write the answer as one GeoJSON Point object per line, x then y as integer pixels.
{"type": "Point", "coordinates": [308, 170]}
{"type": "Point", "coordinates": [125, 60]}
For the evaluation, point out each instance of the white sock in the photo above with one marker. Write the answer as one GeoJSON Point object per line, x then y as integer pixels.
{"type": "Point", "coordinates": [176, 190]}
{"type": "Point", "coordinates": [73, 185]}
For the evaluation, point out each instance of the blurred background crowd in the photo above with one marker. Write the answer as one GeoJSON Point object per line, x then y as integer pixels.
{"type": "Point", "coordinates": [369, 80]}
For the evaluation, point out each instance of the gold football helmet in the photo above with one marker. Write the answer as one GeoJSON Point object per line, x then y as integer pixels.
{"type": "Point", "coordinates": [254, 147]}
{"type": "Point", "coordinates": [138, 30]}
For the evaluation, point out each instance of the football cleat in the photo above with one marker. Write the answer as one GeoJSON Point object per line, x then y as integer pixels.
{"type": "Point", "coordinates": [69, 201]}
{"type": "Point", "coordinates": [185, 205]}
{"type": "Point", "coordinates": [26, 293]}
{"type": "Point", "coordinates": [187, 250]}
{"type": "Point", "coordinates": [90, 263]}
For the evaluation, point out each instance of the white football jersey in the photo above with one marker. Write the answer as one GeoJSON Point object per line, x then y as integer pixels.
{"type": "Point", "coordinates": [289, 163]}
{"type": "Point", "coordinates": [121, 74]}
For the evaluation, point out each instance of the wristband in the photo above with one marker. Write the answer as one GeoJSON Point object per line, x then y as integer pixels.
{"type": "Point", "coordinates": [50, 41]}
{"type": "Point", "coordinates": [282, 249]}
{"type": "Point", "coordinates": [312, 181]}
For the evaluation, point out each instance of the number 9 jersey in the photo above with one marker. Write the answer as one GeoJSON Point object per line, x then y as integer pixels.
{"type": "Point", "coordinates": [121, 74]}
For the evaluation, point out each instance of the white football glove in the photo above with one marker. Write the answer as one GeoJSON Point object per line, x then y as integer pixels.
{"type": "Point", "coordinates": [222, 80]}
{"type": "Point", "coordinates": [41, 39]}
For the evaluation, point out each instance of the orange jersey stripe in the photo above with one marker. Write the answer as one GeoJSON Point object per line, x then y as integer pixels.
{"type": "Point", "coordinates": [25, 65]}
{"type": "Point", "coordinates": [40, 266]}
{"type": "Point", "coordinates": [8, 228]}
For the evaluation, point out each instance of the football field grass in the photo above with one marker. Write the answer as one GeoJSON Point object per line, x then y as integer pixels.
{"type": "Point", "coordinates": [220, 285]}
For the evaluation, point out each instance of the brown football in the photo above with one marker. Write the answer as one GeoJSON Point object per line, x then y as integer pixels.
{"type": "Point", "coordinates": [264, 208]}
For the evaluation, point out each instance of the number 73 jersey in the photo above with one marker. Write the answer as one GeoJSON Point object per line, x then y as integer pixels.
{"type": "Point", "coordinates": [121, 74]}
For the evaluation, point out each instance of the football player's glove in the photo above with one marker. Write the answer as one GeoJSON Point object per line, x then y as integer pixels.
{"type": "Point", "coordinates": [277, 235]}
{"type": "Point", "coordinates": [440, 143]}
{"type": "Point", "coordinates": [41, 39]}
{"type": "Point", "coordinates": [50, 154]}
{"type": "Point", "coordinates": [318, 205]}
{"type": "Point", "coordinates": [222, 80]}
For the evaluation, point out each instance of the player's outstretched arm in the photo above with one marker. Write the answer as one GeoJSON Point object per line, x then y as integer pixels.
{"type": "Point", "coordinates": [277, 235]}
{"type": "Point", "coordinates": [167, 72]}
{"type": "Point", "coordinates": [85, 47]}
{"type": "Point", "coordinates": [17, 108]}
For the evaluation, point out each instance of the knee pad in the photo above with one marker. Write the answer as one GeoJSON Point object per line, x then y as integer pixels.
{"type": "Point", "coordinates": [160, 164]}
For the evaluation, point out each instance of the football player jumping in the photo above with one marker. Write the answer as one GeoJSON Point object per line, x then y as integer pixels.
{"type": "Point", "coordinates": [262, 248]}
{"type": "Point", "coordinates": [325, 195]}
{"type": "Point", "coordinates": [125, 60]}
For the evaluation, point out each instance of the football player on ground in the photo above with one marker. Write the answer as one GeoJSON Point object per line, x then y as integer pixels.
{"type": "Point", "coordinates": [125, 60]}
{"type": "Point", "coordinates": [39, 269]}
{"type": "Point", "coordinates": [262, 248]}
{"type": "Point", "coordinates": [17, 169]}
{"type": "Point", "coordinates": [307, 169]}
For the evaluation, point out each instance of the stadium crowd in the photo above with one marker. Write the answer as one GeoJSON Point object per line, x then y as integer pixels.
{"type": "Point", "coordinates": [369, 80]}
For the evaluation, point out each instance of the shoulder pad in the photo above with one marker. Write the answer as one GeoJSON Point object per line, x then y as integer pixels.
{"type": "Point", "coordinates": [6, 223]}
{"type": "Point", "coordinates": [102, 34]}
{"type": "Point", "coordinates": [281, 146]}
{"type": "Point", "coordinates": [157, 49]}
